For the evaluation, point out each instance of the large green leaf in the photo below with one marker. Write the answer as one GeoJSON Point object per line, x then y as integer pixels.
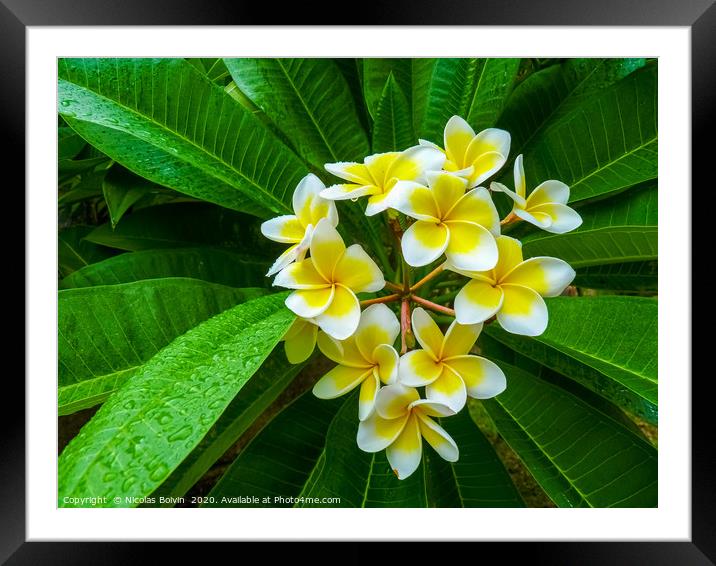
{"type": "Point", "coordinates": [69, 144]}
{"type": "Point", "coordinates": [106, 333]}
{"type": "Point", "coordinates": [618, 230]}
{"type": "Point", "coordinates": [474, 89]}
{"type": "Point", "coordinates": [208, 264]}
{"type": "Point", "coordinates": [548, 94]}
{"type": "Point", "coordinates": [309, 453]}
{"type": "Point", "coordinates": [74, 251]}
{"type": "Point", "coordinates": [184, 225]}
{"type": "Point", "coordinates": [309, 101]}
{"type": "Point", "coordinates": [149, 426]}
{"type": "Point", "coordinates": [393, 129]}
{"type": "Point", "coordinates": [603, 145]}
{"type": "Point", "coordinates": [262, 389]}
{"type": "Point", "coordinates": [579, 455]}
{"type": "Point", "coordinates": [167, 122]}
{"type": "Point", "coordinates": [608, 344]}
{"type": "Point", "coordinates": [638, 276]}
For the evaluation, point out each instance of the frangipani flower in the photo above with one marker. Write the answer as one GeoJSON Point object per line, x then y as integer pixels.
{"type": "Point", "coordinates": [300, 340]}
{"type": "Point", "coordinates": [378, 173]}
{"type": "Point", "coordinates": [546, 207]}
{"type": "Point", "coordinates": [327, 281]}
{"type": "Point", "coordinates": [474, 156]}
{"type": "Point", "coordinates": [297, 228]}
{"type": "Point", "coordinates": [400, 421]}
{"type": "Point", "coordinates": [445, 367]}
{"type": "Point", "coordinates": [462, 225]}
{"type": "Point", "coordinates": [513, 290]}
{"type": "Point", "coordinates": [364, 359]}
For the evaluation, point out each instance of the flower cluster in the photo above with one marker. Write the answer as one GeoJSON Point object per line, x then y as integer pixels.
{"type": "Point", "coordinates": [435, 194]}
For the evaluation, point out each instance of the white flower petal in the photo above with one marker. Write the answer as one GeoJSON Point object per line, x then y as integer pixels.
{"type": "Point", "coordinates": [300, 275]}
{"type": "Point", "coordinates": [476, 206]}
{"type": "Point", "coordinates": [378, 325]}
{"type": "Point", "coordinates": [548, 276]}
{"type": "Point", "coordinates": [300, 345]}
{"type": "Point", "coordinates": [432, 408]}
{"type": "Point", "coordinates": [339, 381]}
{"type": "Point", "coordinates": [477, 301]}
{"type": "Point", "coordinates": [424, 242]}
{"type": "Point", "coordinates": [357, 271]}
{"type": "Point", "coordinates": [427, 332]}
{"type": "Point", "coordinates": [376, 433]}
{"type": "Point", "coordinates": [412, 163]}
{"type": "Point", "coordinates": [523, 311]}
{"type": "Point", "coordinates": [459, 339]}
{"type": "Point", "coordinates": [499, 187]}
{"type": "Point", "coordinates": [483, 378]}
{"type": "Point", "coordinates": [388, 362]}
{"type": "Point", "coordinates": [520, 181]}
{"type": "Point", "coordinates": [342, 316]}
{"type": "Point", "coordinates": [438, 438]}
{"type": "Point", "coordinates": [564, 219]}
{"type": "Point", "coordinates": [405, 452]}
{"type": "Point", "coordinates": [394, 400]}
{"type": "Point", "coordinates": [539, 219]}
{"type": "Point", "coordinates": [448, 390]}
{"type": "Point", "coordinates": [457, 137]}
{"type": "Point", "coordinates": [350, 171]}
{"type": "Point", "coordinates": [368, 394]}
{"type": "Point", "coordinates": [549, 192]}
{"type": "Point", "coordinates": [417, 368]}
{"type": "Point", "coordinates": [351, 191]}
{"type": "Point", "coordinates": [327, 248]}
{"type": "Point", "coordinates": [309, 303]}
{"type": "Point", "coordinates": [286, 229]}
{"type": "Point", "coordinates": [414, 200]}
{"type": "Point", "coordinates": [471, 247]}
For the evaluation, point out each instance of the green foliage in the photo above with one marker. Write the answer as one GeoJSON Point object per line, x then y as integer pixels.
{"type": "Point", "coordinates": [166, 169]}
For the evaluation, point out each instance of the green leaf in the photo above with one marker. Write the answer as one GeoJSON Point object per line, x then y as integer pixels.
{"type": "Point", "coordinates": [309, 101]}
{"type": "Point", "coordinates": [69, 144]}
{"type": "Point", "coordinates": [183, 225]}
{"type": "Point", "coordinates": [212, 67]}
{"type": "Point", "coordinates": [551, 93]}
{"type": "Point", "coordinates": [602, 146]}
{"type": "Point", "coordinates": [580, 456]}
{"type": "Point", "coordinates": [393, 129]}
{"type": "Point", "coordinates": [167, 122]}
{"type": "Point", "coordinates": [208, 264]}
{"type": "Point", "coordinates": [263, 388]}
{"type": "Point", "coordinates": [474, 89]}
{"type": "Point", "coordinates": [148, 427]}
{"type": "Point", "coordinates": [121, 190]}
{"type": "Point", "coordinates": [106, 333]}
{"type": "Point", "coordinates": [309, 452]}
{"type": "Point", "coordinates": [75, 252]}
{"type": "Point", "coordinates": [607, 344]}
{"type": "Point", "coordinates": [638, 276]}
{"type": "Point", "coordinates": [617, 230]}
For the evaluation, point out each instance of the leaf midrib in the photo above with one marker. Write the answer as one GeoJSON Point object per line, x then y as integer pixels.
{"type": "Point", "coordinates": [189, 142]}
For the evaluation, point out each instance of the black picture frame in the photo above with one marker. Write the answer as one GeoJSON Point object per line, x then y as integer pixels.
{"type": "Point", "coordinates": [699, 15]}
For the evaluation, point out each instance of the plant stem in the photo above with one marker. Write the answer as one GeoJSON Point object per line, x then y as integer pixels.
{"type": "Point", "coordinates": [405, 329]}
{"type": "Point", "coordinates": [428, 277]}
{"type": "Point", "coordinates": [432, 306]}
{"type": "Point", "coordinates": [386, 299]}
{"type": "Point", "coordinates": [393, 286]}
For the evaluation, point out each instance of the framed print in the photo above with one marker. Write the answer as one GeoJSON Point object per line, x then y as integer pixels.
{"type": "Point", "coordinates": [422, 283]}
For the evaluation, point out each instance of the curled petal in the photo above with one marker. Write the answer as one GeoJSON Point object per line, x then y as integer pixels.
{"type": "Point", "coordinates": [309, 303]}
{"type": "Point", "coordinates": [485, 166]}
{"type": "Point", "coordinates": [563, 218]}
{"type": "Point", "coordinates": [376, 433]}
{"type": "Point", "coordinates": [519, 201]}
{"type": "Point", "coordinates": [548, 276]}
{"type": "Point", "coordinates": [394, 400]}
{"type": "Point", "coordinates": [523, 311]}
{"type": "Point", "coordinates": [438, 438]}
{"type": "Point", "coordinates": [477, 301]}
{"type": "Point", "coordinates": [427, 332]}
{"type": "Point", "coordinates": [349, 191]}
{"type": "Point", "coordinates": [471, 247]}
{"type": "Point", "coordinates": [368, 393]}
{"type": "Point", "coordinates": [549, 192]}
{"type": "Point", "coordinates": [539, 219]}
{"type": "Point", "coordinates": [354, 172]}
{"type": "Point", "coordinates": [418, 368]}
{"type": "Point", "coordinates": [483, 378]}
{"type": "Point", "coordinates": [339, 381]}
{"type": "Point", "coordinates": [448, 390]}
{"type": "Point", "coordinates": [342, 316]}
{"type": "Point", "coordinates": [424, 242]}
{"type": "Point", "coordinates": [285, 229]}
{"type": "Point", "coordinates": [297, 252]}
{"type": "Point", "coordinates": [405, 452]}
{"type": "Point", "coordinates": [431, 408]}
{"type": "Point", "coordinates": [519, 175]}
{"type": "Point", "coordinates": [357, 271]}
{"type": "Point", "coordinates": [378, 325]}
{"type": "Point", "coordinates": [412, 163]}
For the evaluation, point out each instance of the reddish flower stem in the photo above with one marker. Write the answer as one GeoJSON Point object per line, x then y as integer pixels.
{"type": "Point", "coordinates": [386, 299]}
{"type": "Point", "coordinates": [405, 329]}
{"type": "Point", "coordinates": [432, 306]}
{"type": "Point", "coordinates": [393, 286]}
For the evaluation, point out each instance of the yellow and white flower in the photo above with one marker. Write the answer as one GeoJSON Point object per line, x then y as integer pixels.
{"type": "Point", "coordinates": [367, 358]}
{"type": "Point", "coordinates": [309, 207]}
{"type": "Point", "coordinates": [300, 340]}
{"type": "Point", "coordinates": [449, 220]}
{"type": "Point", "coordinates": [513, 290]}
{"type": "Point", "coordinates": [378, 173]}
{"type": "Point", "coordinates": [327, 281]}
{"type": "Point", "coordinates": [399, 423]}
{"type": "Point", "coordinates": [546, 207]}
{"type": "Point", "coordinates": [445, 367]}
{"type": "Point", "coordinates": [474, 156]}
